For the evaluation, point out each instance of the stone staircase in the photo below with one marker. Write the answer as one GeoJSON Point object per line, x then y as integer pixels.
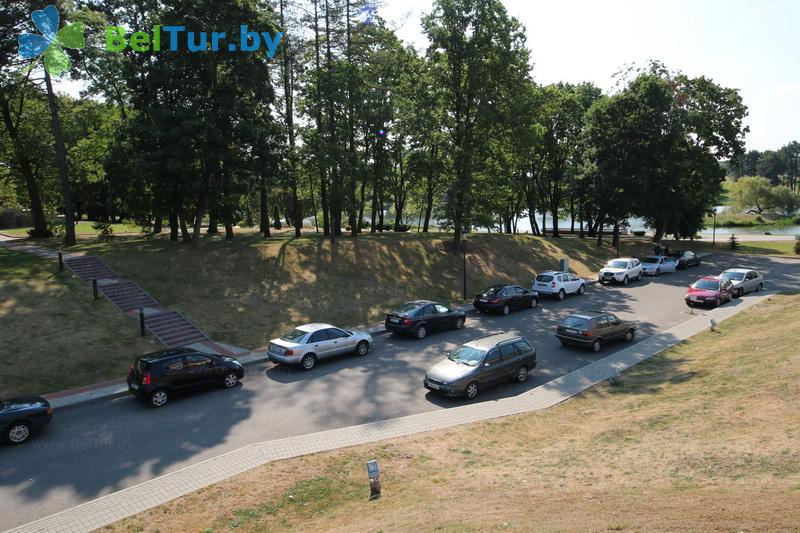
{"type": "Point", "coordinates": [126, 295]}
{"type": "Point", "coordinates": [170, 328]}
{"type": "Point", "coordinates": [88, 267]}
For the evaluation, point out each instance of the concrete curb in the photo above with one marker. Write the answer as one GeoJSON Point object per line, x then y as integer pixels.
{"type": "Point", "coordinates": [116, 506]}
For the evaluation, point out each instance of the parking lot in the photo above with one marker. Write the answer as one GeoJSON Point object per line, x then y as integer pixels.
{"type": "Point", "coordinates": [103, 447]}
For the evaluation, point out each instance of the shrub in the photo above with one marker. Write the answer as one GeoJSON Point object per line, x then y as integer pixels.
{"type": "Point", "coordinates": [639, 233]}
{"type": "Point", "coordinates": [733, 244]}
{"type": "Point", "coordinates": [386, 227]}
{"type": "Point", "coordinates": [402, 227]}
{"type": "Point", "coordinates": [105, 232]}
{"type": "Point", "coordinates": [797, 244]}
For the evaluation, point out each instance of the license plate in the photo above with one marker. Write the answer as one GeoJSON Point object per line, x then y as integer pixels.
{"type": "Point", "coordinates": [573, 331]}
{"type": "Point", "coordinates": [134, 386]}
{"type": "Point", "coordinates": [694, 298]}
{"type": "Point", "coordinates": [394, 320]}
{"type": "Point", "coordinates": [433, 386]}
{"type": "Point", "coordinates": [484, 300]}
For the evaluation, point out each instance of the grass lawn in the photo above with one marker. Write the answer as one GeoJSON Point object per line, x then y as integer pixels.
{"type": "Point", "coordinates": [53, 335]}
{"type": "Point", "coordinates": [81, 228]}
{"type": "Point", "coordinates": [725, 198]}
{"type": "Point", "coordinates": [249, 290]}
{"type": "Point", "coordinates": [785, 248]}
{"type": "Point", "coordinates": [700, 438]}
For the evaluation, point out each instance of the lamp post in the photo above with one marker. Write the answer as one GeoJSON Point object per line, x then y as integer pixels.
{"type": "Point", "coordinates": [714, 230]}
{"type": "Point", "coordinates": [464, 249]}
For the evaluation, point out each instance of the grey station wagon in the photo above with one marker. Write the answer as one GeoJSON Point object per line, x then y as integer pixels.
{"type": "Point", "coordinates": [482, 362]}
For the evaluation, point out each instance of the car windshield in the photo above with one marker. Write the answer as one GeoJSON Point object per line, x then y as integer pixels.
{"type": "Point", "coordinates": [733, 276]}
{"type": "Point", "coordinates": [294, 335]}
{"type": "Point", "coordinates": [706, 284]}
{"type": "Point", "coordinates": [575, 322]}
{"type": "Point", "coordinates": [467, 355]}
{"type": "Point", "coordinates": [494, 289]}
{"type": "Point", "coordinates": [651, 260]}
{"type": "Point", "coordinates": [404, 308]}
{"type": "Point", "coordinates": [544, 277]}
{"type": "Point", "coordinates": [617, 264]}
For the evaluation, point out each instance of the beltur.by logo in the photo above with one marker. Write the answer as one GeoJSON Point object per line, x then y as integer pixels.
{"type": "Point", "coordinates": [52, 41]}
{"type": "Point", "coordinates": [174, 38]}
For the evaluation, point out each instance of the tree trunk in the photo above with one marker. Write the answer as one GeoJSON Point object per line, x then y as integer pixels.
{"type": "Point", "coordinates": [227, 207]}
{"type": "Point", "coordinates": [173, 225]}
{"type": "Point", "coordinates": [185, 236]}
{"type": "Point", "coordinates": [158, 224]}
{"type": "Point", "coordinates": [323, 177]}
{"type": "Point", "coordinates": [213, 218]}
{"type": "Point", "coordinates": [61, 163]}
{"type": "Point", "coordinates": [336, 186]}
{"type": "Point", "coordinates": [40, 229]}
{"type": "Point", "coordinates": [198, 217]}
{"type": "Point", "coordinates": [288, 97]}
{"type": "Point", "coordinates": [428, 202]}
{"type": "Point", "coordinates": [277, 218]}
{"type": "Point", "coordinates": [264, 212]}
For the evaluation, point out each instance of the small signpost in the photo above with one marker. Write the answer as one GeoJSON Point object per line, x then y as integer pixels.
{"type": "Point", "coordinates": [374, 474]}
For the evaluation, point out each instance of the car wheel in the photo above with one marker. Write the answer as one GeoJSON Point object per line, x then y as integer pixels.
{"type": "Point", "coordinates": [639, 277]}
{"type": "Point", "coordinates": [760, 287]}
{"type": "Point", "coordinates": [625, 280]}
{"type": "Point", "coordinates": [658, 272]}
{"type": "Point", "coordinates": [561, 295]}
{"type": "Point", "coordinates": [534, 302]}
{"type": "Point", "coordinates": [471, 392]}
{"type": "Point", "coordinates": [308, 361]}
{"type": "Point", "coordinates": [460, 322]}
{"type": "Point", "coordinates": [698, 262]}
{"type": "Point", "coordinates": [159, 398]}
{"type": "Point", "coordinates": [421, 332]}
{"type": "Point", "coordinates": [564, 343]}
{"type": "Point", "coordinates": [506, 309]}
{"type": "Point", "coordinates": [230, 380]}
{"type": "Point", "coordinates": [596, 345]}
{"type": "Point", "coordinates": [362, 348]}
{"type": "Point", "coordinates": [582, 289]}
{"type": "Point", "coordinates": [629, 335]}
{"type": "Point", "coordinates": [522, 374]}
{"type": "Point", "coordinates": [18, 432]}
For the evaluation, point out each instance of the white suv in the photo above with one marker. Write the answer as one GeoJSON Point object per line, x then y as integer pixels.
{"type": "Point", "coordinates": [559, 284]}
{"type": "Point", "coordinates": [622, 269]}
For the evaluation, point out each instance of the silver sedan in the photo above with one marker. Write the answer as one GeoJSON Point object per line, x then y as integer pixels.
{"type": "Point", "coordinates": [655, 265]}
{"type": "Point", "coordinates": [305, 345]}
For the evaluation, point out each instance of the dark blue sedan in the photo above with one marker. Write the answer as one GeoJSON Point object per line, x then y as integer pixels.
{"type": "Point", "coordinates": [22, 416]}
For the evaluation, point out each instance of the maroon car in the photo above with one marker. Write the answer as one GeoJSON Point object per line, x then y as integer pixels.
{"type": "Point", "coordinates": [710, 290]}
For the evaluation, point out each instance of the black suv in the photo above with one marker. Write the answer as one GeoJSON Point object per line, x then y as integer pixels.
{"type": "Point", "coordinates": [592, 330]}
{"type": "Point", "coordinates": [153, 377]}
{"type": "Point", "coordinates": [419, 317]}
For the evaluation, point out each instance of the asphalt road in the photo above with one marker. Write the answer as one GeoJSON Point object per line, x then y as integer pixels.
{"type": "Point", "coordinates": [98, 448]}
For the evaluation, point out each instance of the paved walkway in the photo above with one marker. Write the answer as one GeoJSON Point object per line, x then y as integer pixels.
{"type": "Point", "coordinates": [113, 507]}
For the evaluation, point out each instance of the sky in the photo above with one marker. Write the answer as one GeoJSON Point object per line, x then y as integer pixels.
{"type": "Point", "coordinates": [753, 46]}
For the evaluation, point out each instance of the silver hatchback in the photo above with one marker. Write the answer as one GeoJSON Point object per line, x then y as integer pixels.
{"type": "Point", "coordinates": [305, 345]}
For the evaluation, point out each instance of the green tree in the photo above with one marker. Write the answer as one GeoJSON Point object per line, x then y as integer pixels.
{"type": "Point", "coordinates": [753, 193]}
{"type": "Point", "coordinates": [476, 48]}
